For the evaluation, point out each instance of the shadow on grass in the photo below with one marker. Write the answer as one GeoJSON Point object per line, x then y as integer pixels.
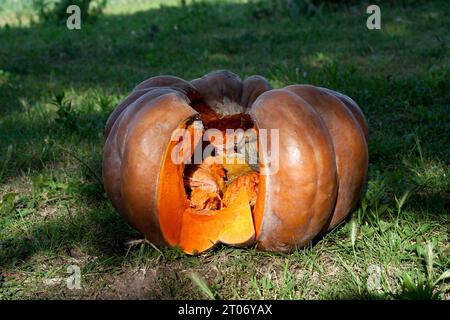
{"type": "Point", "coordinates": [100, 230]}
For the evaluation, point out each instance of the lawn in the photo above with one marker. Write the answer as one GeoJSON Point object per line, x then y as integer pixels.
{"type": "Point", "coordinates": [57, 88]}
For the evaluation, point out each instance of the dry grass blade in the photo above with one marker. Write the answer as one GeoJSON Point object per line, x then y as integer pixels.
{"type": "Point", "coordinates": [202, 286]}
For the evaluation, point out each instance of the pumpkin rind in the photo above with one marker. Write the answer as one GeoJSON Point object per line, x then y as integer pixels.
{"type": "Point", "coordinates": [300, 197]}
{"type": "Point", "coordinates": [354, 108]}
{"type": "Point", "coordinates": [222, 89]}
{"type": "Point", "coordinates": [170, 82]}
{"type": "Point", "coordinates": [252, 88]}
{"type": "Point", "coordinates": [141, 149]}
{"type": "Point", "coordinates": [349, 146]}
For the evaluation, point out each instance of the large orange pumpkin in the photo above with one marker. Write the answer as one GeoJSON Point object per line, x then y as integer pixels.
{"type": "Point", "coordinates": [321, 166]}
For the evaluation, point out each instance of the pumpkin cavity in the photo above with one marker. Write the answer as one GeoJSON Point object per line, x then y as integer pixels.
{"type": "Point", "coordinates": [202, 203]}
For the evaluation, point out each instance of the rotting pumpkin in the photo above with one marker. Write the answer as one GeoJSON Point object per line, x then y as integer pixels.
{"type": "Point", "coordinates": [321, 172]}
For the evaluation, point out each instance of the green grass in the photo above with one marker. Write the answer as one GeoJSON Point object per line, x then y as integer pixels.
{"type": "Point", "coordinates": [57, 88]}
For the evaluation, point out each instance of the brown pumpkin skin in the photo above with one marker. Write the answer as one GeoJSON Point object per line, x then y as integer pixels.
{"type": "Point", "coordinates": [299, 198]}
{"type": "Point", "coordinates": [295, 204]}
{"type": "Point", "coordinates": [171, 82]}
{"type": "Point", "coordinates": [133, 157]}
{"type": "Point", "coordinates": [252, 88]}
{"type": "Point", "coordinates": [221, 85]}
{"type": "Point", "coordinates": [349, 143]}
{"type": "Point", "coordinates": [354, 108]}
{"type": "Point", "coordinates": [217, 85]}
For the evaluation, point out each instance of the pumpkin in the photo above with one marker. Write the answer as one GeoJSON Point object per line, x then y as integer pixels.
{"type": "Point", "coordinates": [321, 162]}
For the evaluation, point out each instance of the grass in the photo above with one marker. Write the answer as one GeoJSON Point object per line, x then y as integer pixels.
{"type": "Point", "coordinates": [57, 88]}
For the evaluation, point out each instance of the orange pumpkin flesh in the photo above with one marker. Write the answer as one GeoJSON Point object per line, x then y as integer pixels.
{"type": "Point", "coordinates": [216, 206]}
{"type": "Point", "coordinates": [322, 162]}
{"type": "Point", "coordinates": [233, 225]}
